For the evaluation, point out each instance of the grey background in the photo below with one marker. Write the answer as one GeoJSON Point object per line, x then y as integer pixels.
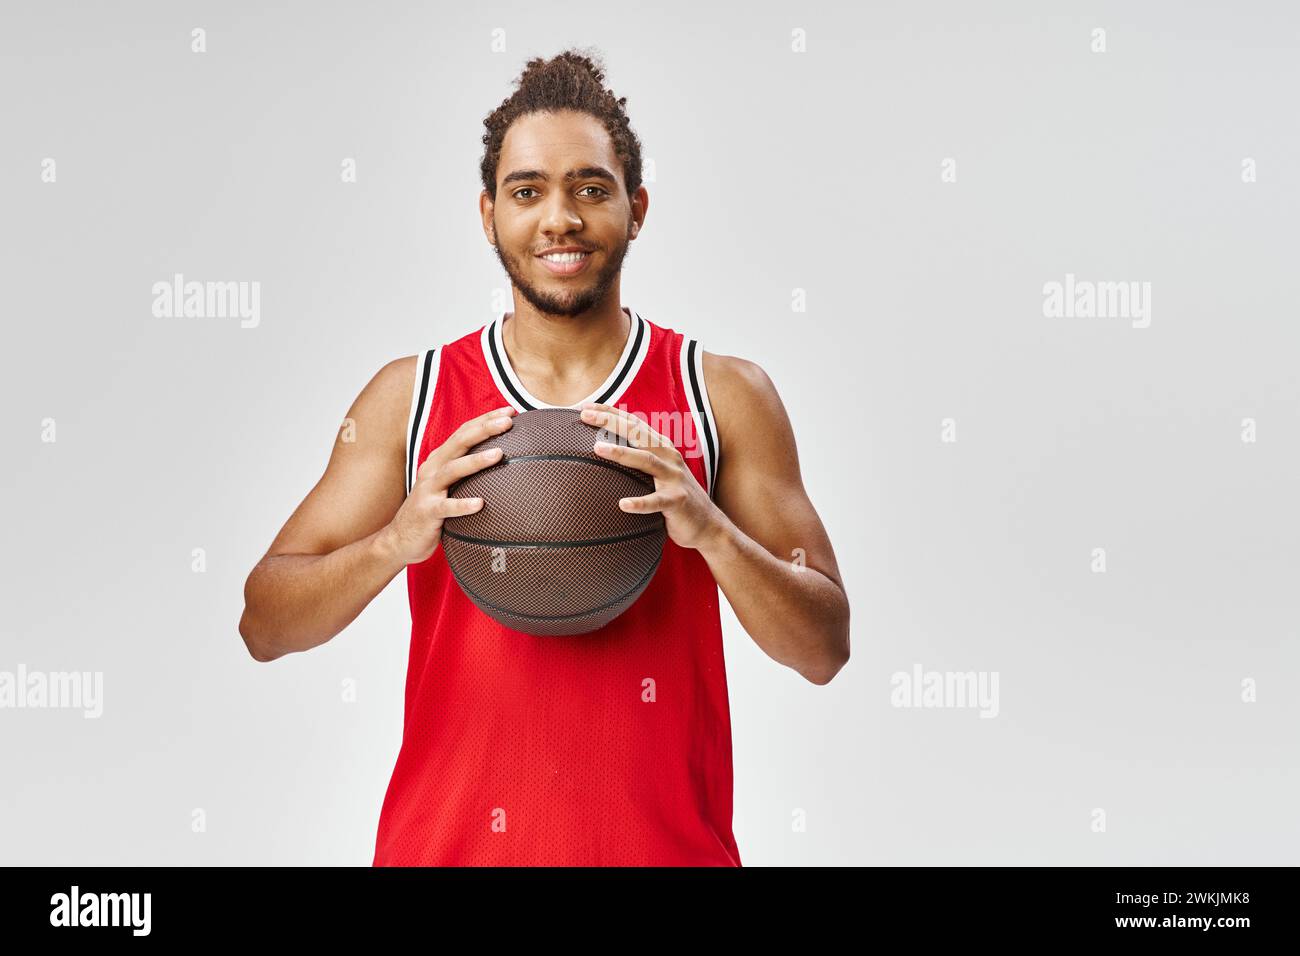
{"type": "Point", "coordinates": [774, 171]}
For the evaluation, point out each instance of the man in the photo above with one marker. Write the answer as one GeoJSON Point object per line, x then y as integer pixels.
{"type": "Point", "coordinates": [613, 747]}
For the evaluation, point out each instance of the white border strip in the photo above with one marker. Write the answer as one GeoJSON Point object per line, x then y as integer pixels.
{"type": "Point", "coordinates": [493, 330]}
{"type": "Point", "coordinates": [637, 362]}
{"type": "Point", "coordinates": [409, 466]}
{"type": "Point", "coordinates": [492, 367]}
{"type": "Point", "coordinates": [710, 460]}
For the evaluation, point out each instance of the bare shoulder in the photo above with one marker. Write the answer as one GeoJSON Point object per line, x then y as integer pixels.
{"type": "Point", "coordinates": [740, 390]}
{"type": "Point", "coordinates": [384, 404]}
{"type": "Point", "coordinates": [732, 373]}
{"type": "Point", "coordinates": [392, 385]}
{"type": "Point", "coordinates": [363, 485]}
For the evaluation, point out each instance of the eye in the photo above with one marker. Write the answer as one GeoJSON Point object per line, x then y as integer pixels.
{"type": "Point", "coordinates": [597, 188]}
{"type": "Point", "coordinates": [524, 189]}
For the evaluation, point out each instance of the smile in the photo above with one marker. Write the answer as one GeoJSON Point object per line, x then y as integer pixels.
{"type": "Point", "coordinates": [566, 263]}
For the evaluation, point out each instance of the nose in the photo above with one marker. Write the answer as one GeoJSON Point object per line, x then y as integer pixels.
{"type": "Point", "coordinates": [559, 215]}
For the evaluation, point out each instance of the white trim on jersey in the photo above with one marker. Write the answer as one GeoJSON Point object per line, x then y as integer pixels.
{"type": "Point", "coordinates": [426, 379]}
{"type": "Point", "coordinates": [697, 397]}
{"type": "Point", "coordinates": [635, 350]}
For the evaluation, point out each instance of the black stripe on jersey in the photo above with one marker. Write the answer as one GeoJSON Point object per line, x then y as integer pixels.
{"type": "Point", "coordinates": [704, 415]}
{"type": "Point", "coordinates": [627, 366]}
{"type": "Point", "coordinates": [419, 415]}
{"type": "Point", "coordinates": [502, 373]}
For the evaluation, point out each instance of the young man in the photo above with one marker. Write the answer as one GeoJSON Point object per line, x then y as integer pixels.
{"type": "Point", "coordinates": [612, 747]}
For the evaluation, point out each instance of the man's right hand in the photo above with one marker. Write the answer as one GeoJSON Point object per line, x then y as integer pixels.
{"type": "Point", "coordinates": [413, 534]}
{"type": "Point", "coordinates": [358, 528]}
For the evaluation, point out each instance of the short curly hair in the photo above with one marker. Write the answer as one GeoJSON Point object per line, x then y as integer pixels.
{"type": "Point", "coordinates": [571, 80]}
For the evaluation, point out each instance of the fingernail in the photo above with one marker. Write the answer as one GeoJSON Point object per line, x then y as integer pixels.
{"type": "Point", "coordinates": [498, 422]}
{"type": "Point", "coordinates": [603, 446]}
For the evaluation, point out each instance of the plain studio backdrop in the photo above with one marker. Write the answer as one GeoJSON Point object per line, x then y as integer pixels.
{"type": "Point", "coordinates": [869, 202]}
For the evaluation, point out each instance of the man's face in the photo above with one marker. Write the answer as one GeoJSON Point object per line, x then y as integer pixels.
{"type": "Point", "coordinates": [560, 184]}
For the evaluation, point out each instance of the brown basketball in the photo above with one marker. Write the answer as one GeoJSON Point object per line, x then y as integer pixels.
{"type": "Point", "coordinates": [550, 552]}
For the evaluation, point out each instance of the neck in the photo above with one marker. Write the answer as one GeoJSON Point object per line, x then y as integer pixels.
{"type": "Point", "coordinates": [565, 356]}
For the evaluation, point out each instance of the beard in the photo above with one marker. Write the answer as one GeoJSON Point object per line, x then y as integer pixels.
{"type": "Point", "coordinates": [578, 295]}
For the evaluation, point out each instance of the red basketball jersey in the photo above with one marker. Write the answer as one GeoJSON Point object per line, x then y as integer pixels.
{"type": "Point", "coordinates": [611, 748]}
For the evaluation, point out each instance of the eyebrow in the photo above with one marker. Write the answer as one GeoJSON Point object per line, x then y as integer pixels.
{"type": "Point", "coordinates": [583, 172]}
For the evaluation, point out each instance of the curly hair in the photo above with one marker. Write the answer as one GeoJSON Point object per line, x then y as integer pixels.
{"type": "Point", "coordinates": [568, 81]}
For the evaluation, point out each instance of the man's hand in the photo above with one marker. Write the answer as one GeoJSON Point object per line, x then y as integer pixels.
{"type": "Point", "coordinates": [759, 533]}
{"type": "Point", "coordinates": [690, 516]}
{"type": "Point", "coordinates": [416, 529]}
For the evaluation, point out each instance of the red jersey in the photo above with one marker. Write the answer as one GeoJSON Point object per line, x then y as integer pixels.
{"type": "Point", "coordinates": [611, 748]}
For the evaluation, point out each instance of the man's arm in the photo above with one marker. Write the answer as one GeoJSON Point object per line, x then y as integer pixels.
{"type": "Point", "coordinates": [330, 560]}
{"type": "Point", "coordinates": [772, 556]}
{"type": "Point", "coordinates": [759, 533]}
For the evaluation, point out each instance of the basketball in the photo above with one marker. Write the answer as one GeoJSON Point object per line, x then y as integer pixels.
{"type": "Point", "coordinates": [550, 552]}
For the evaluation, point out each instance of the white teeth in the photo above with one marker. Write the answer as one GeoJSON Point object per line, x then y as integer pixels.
{"type": "Point", "coordinates": [565, 257]}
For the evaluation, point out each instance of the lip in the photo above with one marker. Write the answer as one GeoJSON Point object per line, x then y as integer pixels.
{"type": "Point", "coordinates": [565, 268]}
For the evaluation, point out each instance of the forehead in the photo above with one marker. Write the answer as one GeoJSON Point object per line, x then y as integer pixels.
{"type": "Point", "coordinates": [543, 140]}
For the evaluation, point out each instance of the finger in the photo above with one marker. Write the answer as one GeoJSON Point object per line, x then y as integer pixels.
{"type": "Point", "coordinates": [467, 436]}
{"type": "Point", "coordinates": [456, 469]}
{"type": "Point", "coordinates": [639, 458]}
{"type": "Point", "coordinates": [477, 429]}
{"type": "Point", "coordinates": [646, 504]}
{"type": "Point", "coordinates": [454, 507]}
{"type": "Point", "coordinates": [635, 430]}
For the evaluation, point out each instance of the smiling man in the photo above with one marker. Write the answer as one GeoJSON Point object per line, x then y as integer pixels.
{"type": "Point", "coordinates": [612, 747]}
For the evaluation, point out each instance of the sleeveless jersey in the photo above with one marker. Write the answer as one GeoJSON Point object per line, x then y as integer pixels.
{"type": "Point", "coordinates": [611, 748]}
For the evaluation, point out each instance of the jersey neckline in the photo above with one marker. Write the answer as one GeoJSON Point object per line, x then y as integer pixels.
{"type": "Point", "coordinates": [608, 392]}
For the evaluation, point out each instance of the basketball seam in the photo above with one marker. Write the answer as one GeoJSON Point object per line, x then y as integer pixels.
{"type": "Point", "coordinates": [561, 456]}
{"type": "Point", "coordinates": [563, 617]}
{"type": "Point", "coordinates": [589, 542]}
